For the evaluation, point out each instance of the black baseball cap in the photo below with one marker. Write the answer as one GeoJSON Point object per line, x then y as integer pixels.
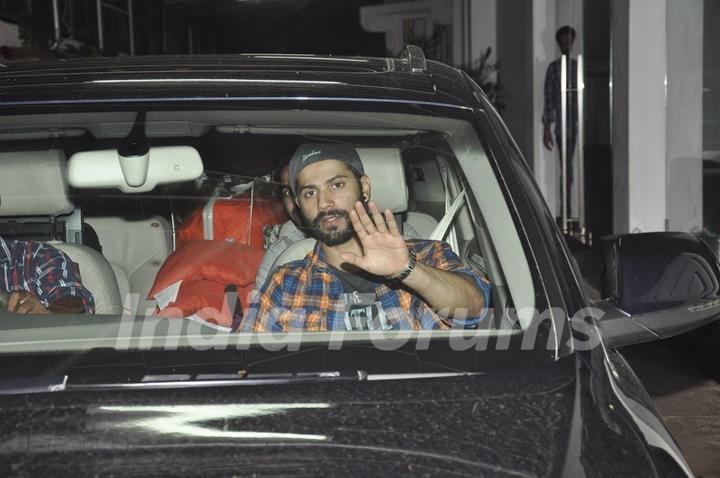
{"type": "Point", "coordinates": [309, 153]}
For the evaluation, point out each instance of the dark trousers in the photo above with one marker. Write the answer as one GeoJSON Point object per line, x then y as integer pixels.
{"type": "Point", "coordinates": [569, 170]}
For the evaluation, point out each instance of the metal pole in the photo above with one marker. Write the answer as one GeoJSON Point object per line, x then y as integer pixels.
{"type": "Point", "coordinates": [56, 21]}
{"type": "Point", "coordinates": [101, 41]}
{"type": "Point", "coordinates": [131, 27]}
{"type": "Point", "coordinates": [580, 86]}
{"type": "Point", "coordinates": [164, 27]}
{"type": "Point", "coordinates": [563, 141]}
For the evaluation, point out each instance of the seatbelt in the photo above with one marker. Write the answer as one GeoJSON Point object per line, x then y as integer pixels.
{"type": "Point", "coordinates": [451, 210]}
{"type": "Point", "coordinates": [441, 229]}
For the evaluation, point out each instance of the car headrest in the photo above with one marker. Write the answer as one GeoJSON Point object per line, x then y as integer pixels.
{"type": "Point", "coordinates": [32, 183]}
{"type": "Point", "coordinates": [384, 167]}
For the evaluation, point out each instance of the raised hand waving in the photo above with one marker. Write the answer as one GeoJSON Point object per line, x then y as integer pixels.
{"type": "Point", "coordinates": [385, 251]}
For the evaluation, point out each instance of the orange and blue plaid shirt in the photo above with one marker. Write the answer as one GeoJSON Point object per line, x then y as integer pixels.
{"type": "Point", "coordinates": [42, 270]}
{"type": "Point", "coordinates": [307, 295]}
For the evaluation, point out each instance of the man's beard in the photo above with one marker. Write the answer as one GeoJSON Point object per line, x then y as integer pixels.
{"type": "Point", "coordinates": [336, 234]}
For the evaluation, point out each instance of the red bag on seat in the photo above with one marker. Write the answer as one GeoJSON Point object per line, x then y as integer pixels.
{"type": "Point", "coordinates": [206, 268]}
{"type": "Point", "coordinates": [233, 220]}
{"type": "Point", "coordinates": [207, 300]}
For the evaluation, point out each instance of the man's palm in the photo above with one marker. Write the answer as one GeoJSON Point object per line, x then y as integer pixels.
{"type": "Point", "coordinates": [382, 252]}
{"type": "Point", "coordinates": [385, 251]}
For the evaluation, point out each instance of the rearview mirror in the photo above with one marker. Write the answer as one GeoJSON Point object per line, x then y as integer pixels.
{"type": "Point", "coordinates": [660, 285]}
{"type": "Point", "coordinates": [134, 174]}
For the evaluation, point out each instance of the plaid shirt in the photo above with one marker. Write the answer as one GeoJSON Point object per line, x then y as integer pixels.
{"type": "Point", "coordinates": [552, 110]}
{"type": "Point", "coordinates": [307, 295]}
{"type": "Point", "coordinates": [42, 270]}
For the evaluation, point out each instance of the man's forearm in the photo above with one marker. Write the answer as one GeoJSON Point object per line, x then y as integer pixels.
{"type": "Point", "coordinates": [446, 291]}
{"type": "Point", "coordinates": [67, 305]}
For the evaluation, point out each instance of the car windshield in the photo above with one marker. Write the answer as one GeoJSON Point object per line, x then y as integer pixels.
{"type": "Point", "coordinates": [181, 226]}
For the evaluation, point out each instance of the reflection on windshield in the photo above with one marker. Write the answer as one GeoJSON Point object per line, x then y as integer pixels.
{"type": "Point", "coordinates": [197, 420]}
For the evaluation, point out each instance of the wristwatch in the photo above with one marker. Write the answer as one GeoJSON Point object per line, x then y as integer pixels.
{"type": "Point", "coordinates": [412, 261]}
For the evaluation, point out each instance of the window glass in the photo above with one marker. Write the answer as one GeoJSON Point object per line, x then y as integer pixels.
{"type": "Point", "coordinates": [183, 232]}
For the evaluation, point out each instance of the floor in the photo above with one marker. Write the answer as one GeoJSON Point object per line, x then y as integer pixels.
{"type": "Point", "coordinates": [688, 399]}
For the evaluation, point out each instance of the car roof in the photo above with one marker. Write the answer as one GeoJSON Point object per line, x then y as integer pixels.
{"type": "Point", "coordinates": [252, 76]}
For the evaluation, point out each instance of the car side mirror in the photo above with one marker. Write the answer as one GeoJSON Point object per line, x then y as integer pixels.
{"type": "Point", "coordinates": [657, 285]}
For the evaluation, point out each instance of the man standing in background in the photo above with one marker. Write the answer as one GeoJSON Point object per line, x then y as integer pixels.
{"type": "Point", "coordinates": [552, 114]}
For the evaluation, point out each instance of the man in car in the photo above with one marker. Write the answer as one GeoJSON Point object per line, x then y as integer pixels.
{"type": "Point", "coordinates": [362, 274]}
{"type": "Point", "coordinates": [292, 230]}
{"type": "Point", "coordinates": [41, 279]}
{"type": "Point", "coordinates": [289, 232]}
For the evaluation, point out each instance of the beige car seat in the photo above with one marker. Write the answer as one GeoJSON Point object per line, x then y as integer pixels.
{"type": "Point", "coordinates": [33, 185]}
{"type": "Point", "coordinates": [136, 249]}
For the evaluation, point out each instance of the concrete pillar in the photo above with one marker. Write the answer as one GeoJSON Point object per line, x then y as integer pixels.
{"type": "Point", "coordinates": [474, 28]}
{"type": "Point", "coordinates": [515, 42]}
{"type": "Point", "coordinates": [638, 115]}
{"type": "Point", "coordinates": [685, 114]}
{"type": "Point", "coordinates": [9, 34]}
{"type": "Point", "coordinates": [483, 28]}
{"type": "Point", "coordinates": [459, 38]}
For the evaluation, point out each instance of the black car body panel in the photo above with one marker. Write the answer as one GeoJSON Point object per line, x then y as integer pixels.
{"type": "Point", "coordinates": [226, 78]}
{"type": "Point", "coordinates": [519, 422]}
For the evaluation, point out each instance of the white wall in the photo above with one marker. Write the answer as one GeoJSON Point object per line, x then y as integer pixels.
{"type": "Point", "coordinates": [646, 110]}
{"type": "Point", "coordinates": [9, 34]}
{"type": "Point", "coordinates": [685, 114]}
{"type": "Point", "coordinates": [638, 119]}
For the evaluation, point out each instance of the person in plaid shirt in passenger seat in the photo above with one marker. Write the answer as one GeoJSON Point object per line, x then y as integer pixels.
{"type": "Point", "coordinates": [41, 280]}
{"type": "Point", "coordinates": [362, 274]}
